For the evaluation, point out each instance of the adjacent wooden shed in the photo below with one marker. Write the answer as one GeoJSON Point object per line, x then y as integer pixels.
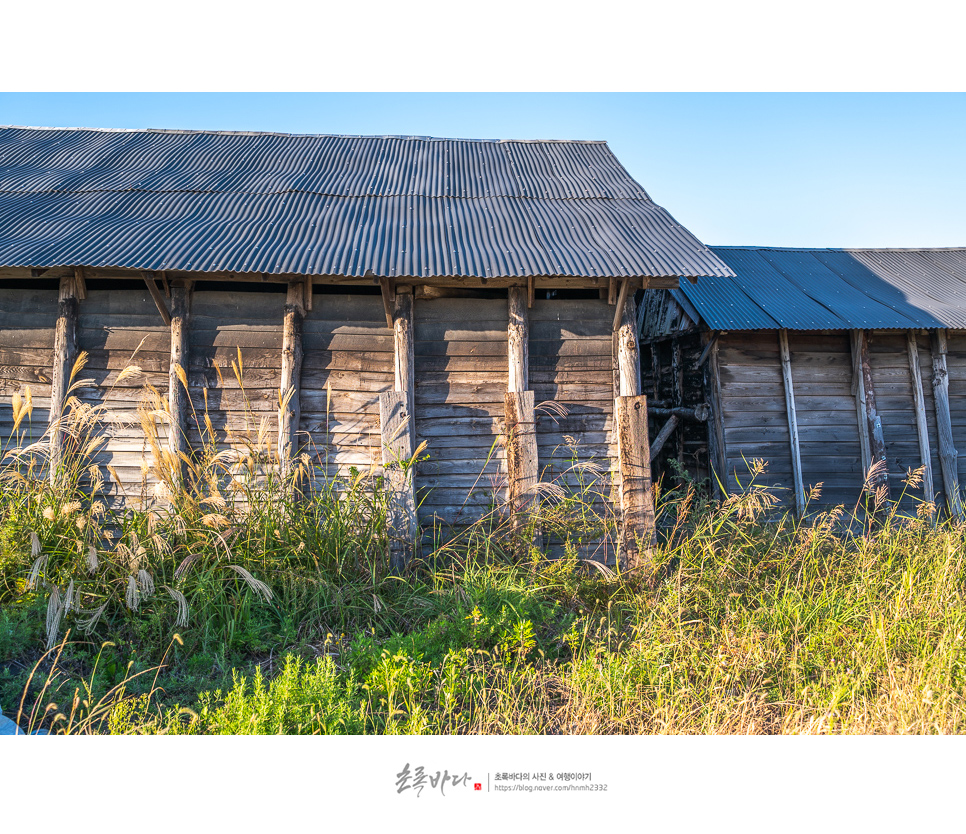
{"type": "Point", "coordinates": [352, 297]}
{"type": "Point", "coordinates": [819, 362]}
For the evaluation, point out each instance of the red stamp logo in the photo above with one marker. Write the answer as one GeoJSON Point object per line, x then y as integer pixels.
{"type": "Point", "coordinates": [477, 786]}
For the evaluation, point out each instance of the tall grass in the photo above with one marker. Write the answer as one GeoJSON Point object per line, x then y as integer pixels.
{"type": "Point", "coordinates": [751, 621]}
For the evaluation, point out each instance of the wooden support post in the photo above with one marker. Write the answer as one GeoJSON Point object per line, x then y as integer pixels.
{"type": "Point", "coordinates": [948, 456]}
{"type": "Point", "coordinates": [663, 435]}
{"type": "Point", "coordinates": [518, 336]}
{"type": "Point", "coordinates": [179, 401]}
{"type": "Point", "coordinates": [873, 423]}
{"type": "Point", "coordinates": [716, 442]}
{"type": "Point", "coordinates": [636, 494]}
{"type": "Point", "coordinates": [65, 355]}
{"type": "Point", "coordinates": [402, 324]}
{"type": "Point", "coordinates": [289, 389]}
{"type": "Point", "coordinates": [633, 450]}
{"type": "Point", "coordinates": [919, 401]}
{"type": "Point", "coordinates": [398, 431]}
{"type": "Point", "coordinates": [858, 392]}
{"type": "Point", "coordinates": [531, 290]}
{"type": "Point", "coordinates": [628, 349]}
{"type": "Point", "coordinates": [521, 458]}
{"type": "Point", "coordinates": [521, 427]}
{"type": "Point", "coordinates": [792, 415]}
{"type": "Point", "coordinates": [397, 451]}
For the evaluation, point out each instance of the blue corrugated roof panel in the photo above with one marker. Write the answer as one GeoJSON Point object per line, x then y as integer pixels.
{"type": "Point", "coordinates": [834, 289]}
{"type": "Point", "coordinates": [332, 205]}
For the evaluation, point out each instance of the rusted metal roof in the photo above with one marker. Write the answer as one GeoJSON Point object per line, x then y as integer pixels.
{"type": "Point", "coordinates": [833, 289]}
{"type": "Point", "coordinates": [332, 205]}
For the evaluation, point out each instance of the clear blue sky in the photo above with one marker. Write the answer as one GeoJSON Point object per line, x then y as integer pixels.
{"type": "Point", "coordinates": [782, 169]}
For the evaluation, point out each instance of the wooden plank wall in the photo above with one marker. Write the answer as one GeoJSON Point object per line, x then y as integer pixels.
{"type": "Point", "coordinates": [226, 326]}
{"type": "Point", "coordinates": [347, 362]}
{"type": "Point", "coordinates": [27, 320]}
{"type": "Point", "coordinates": [889, 359]}
{"type": "Point", "coordinates": [571, 363]}
{"type": "Point", "coordinates": [460, 347]}
{"type": "Point", "coordinates": [827, 423]}
{"type": "Point", "coordinates": [461, 378]}
{"type": "Point", "coordinates": [119, 329]}
{"type": "Point", "coordinates": [756, 423]}
{"type": "Point", "coordinates": [956, 366]}
{"type": "Point", "coordinates": [753, 410]}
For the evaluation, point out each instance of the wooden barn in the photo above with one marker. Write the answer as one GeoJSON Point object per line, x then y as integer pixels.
{"type": "Point", "coordinates": [355, 297]}
{"type": "Point", "coordinates": [819, 362]}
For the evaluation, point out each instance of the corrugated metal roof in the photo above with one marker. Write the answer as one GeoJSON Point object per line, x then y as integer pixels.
{"type": "Point", "coordinates": [833, 289]}
{"type": "Point", "coordinates": [337, 205]}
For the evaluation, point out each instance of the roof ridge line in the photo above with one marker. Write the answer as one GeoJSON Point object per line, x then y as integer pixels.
{"type": "Point", "coordinates": [188, 132]}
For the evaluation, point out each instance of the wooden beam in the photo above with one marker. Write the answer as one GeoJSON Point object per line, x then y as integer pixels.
{"type": "Point", "coordinates": [663, 435]}
{"type": "Point", "coordinates": [397, 451]}
{"type": "Point", "coordinates": [621, 302]}
{"type": "Point", "coordinates": [531, 290]}
{"type": "Point", "coordinates": [922, 429]}
{"type": "Point", "coordinates": [65, 355]}
{"type": "Point", "coordinates": [521, 458]}
{"type": "Point", "coordinates": [873, 423]}
{"type": "Point", "coordinates": [290, 407]}
{"type": "Point", "coordinates": [307, 292]}
{"type": "Point", "coordinates": [518, 338]}
{"type": "Point", "coordinates": [179, 401]}
{"type": "Point", "coordinates": [156, 295]}
{"type": "Point", "coordinates": [80, 283]}
{"type": "Point", "coordinates": [792, 415]}
{"type": "Point", "coordinates": [636, 495]}
{"type": "Point", "coordinates": [388, 296]}
{"type": "Point", "coordinates": [404, 353]}
{"type": "Point", "coordinates": [612, 290]}
{"type": "Point", "coordinates": [948, 456]}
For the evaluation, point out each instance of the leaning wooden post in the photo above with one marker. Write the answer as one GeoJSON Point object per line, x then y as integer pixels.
{"type": "Point", "coordinates": [948, 456]}
{"type": "Point", "coordinates": [792, 422]}
{"type": "Point", "coordinates": [65, 355]}
{"type": "Point", "coordinates": [922, 429]}
{"type": "Point", "coordinates": [179, 403]}
{"type": "Point", "coordinates": [521, 429]}
{"type": "Point", "coordinates": [398, 431]}
{"type": "Point", "coordinates": [290, 408]}
{"type": "Point", "coordinates": [633, 451]}
{"type": "Point", "coordinates": [879, 483]}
